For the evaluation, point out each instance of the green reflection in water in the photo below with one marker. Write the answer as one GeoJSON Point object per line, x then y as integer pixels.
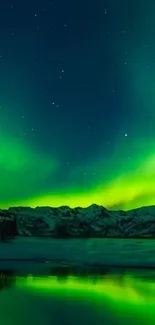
{"type": "Point", "coordinates": [128, 290]}
{"type": "Point", "coordinates": [130, 299]}
{"type": "Point", "coordinates": [113, 300]}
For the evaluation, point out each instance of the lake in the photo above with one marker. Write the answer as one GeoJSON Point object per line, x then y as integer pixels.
{"type": "Point", "coordinates": [111, 297]}
{"type": "Point", "coordinates": [77, 282]}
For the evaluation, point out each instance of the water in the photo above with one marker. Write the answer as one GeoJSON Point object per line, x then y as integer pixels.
{"type": "Point", "coordinates": [109, 298]}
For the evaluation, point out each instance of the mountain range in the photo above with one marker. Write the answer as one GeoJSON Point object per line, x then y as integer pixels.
{"type": "Point", "coordinates": [91, 222]}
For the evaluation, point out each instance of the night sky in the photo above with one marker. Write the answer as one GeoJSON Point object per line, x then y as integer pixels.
{"type": "Point", "coordinates": [77, 103]}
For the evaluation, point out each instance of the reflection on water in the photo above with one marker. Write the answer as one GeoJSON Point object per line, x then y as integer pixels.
{"type": "Point", "coordinates": [94, 300]}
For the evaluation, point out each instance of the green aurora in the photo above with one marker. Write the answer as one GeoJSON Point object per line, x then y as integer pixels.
{"type": "Point", "coordinates": [118, 183]}
{"type": "Point", "coordinates": [77, 129]}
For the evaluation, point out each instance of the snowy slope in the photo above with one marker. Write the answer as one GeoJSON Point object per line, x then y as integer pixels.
{"type": "Point", "coordinates": [94, 221]}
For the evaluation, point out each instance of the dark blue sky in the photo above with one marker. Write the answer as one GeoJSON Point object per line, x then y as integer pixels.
{"type": "Point", "coordinates": [76, 89]}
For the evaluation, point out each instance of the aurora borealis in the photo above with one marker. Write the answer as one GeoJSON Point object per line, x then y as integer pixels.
{"type": "Point", "coordinates": [77, 103]}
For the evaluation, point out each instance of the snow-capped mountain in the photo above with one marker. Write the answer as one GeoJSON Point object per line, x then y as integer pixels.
{"type": "Point", "coordinates": [94, 221]}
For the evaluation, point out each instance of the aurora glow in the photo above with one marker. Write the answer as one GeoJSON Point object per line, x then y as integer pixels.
{"type": "Point", "coordinates": [76, 120]}
{"type": "Point", "coordinates": [27, 172]}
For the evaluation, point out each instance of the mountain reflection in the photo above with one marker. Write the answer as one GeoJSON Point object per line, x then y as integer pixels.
{"type": "Point", "coordinates": [125, 288]}
{"type": "Point", "coordinates": [7, 279]}
{"type": "Point", "coordinates": [109, 297]}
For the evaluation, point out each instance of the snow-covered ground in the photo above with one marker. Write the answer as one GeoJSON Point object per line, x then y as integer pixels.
{"type": "Point", "coordinates": [30, 253]}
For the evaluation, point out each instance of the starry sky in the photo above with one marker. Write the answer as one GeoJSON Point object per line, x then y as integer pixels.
{"type": "Point", "coordinates": [77, 103]}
